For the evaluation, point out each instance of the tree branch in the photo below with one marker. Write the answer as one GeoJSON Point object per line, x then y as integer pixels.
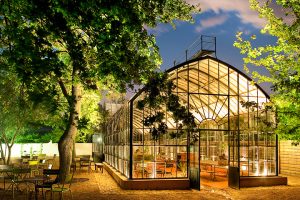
{"type": "Point", "coordinates": [64, 90]}
{"type": "Point", "coordinates": [12, 141]}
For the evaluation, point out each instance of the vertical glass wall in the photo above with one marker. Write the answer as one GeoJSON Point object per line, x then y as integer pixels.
{"type": "Point", "coordinates": [117, 142]}
{"type": "Point", "coordinates": [229, 111]}
{"type": "Point", "coordinates": [165, 157]}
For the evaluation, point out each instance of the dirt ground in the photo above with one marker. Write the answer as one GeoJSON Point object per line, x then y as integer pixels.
{"type": "Point", "coordinates": [95, 185]}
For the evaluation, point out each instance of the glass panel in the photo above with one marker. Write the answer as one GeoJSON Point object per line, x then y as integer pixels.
{"type": "Point", "coordinates": [181, 161]}
{"type": "Point", "coordinates": [223, 79]}
{"type": "Point", "coordinates": [233, 82]}
{"type": "Point", "coordinates": [243, 85]}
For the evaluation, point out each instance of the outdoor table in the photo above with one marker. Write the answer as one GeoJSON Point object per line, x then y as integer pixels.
{"type": "Point", "coordinates": [13, 174]}
{"type": "Point", "coordinates": [7, 169]}
{"type": "Point", "coordinates": [225, 167]}
{"type": "Point", "coordinates": [212, 172]}
{"type": "Point", "coordinates": [35, 180]}
{"type": "Point", "coordinates": [210, 169]}
{"type": "Point", "coordinates": [99, 166]}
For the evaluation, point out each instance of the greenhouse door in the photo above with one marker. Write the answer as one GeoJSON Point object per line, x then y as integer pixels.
{"type": "Point", "coordinates": [194, 168]}
{"type": "Point", "coordinates": [234, 170]}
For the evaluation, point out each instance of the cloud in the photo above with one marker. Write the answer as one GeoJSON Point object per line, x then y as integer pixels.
{"type": "Point", "coordinates": [159, 29]}
{"type": "Point", "coordinates": [239, 7]}
{"type": "Point", "coordinates": [211, 22]}
{"type": "Point", "coordinates": [281, 12]}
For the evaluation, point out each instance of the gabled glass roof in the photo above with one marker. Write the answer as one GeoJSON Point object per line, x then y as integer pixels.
{"type": "Point", "coordinates": [215, 90]}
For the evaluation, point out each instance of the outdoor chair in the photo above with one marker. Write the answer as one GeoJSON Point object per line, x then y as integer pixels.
{"type": "Point", "coordinates": [169, 168]}
{"type": "Point", "coordinates": [42, 156]}
{"type": "Point", "coordinates": [160, 169]}
{"type": "Point", "coordinates": [5, 178]}
{"type": "Point", "coordinates": [17, 162]}
{"type": "Point", "coordinates": [85, 161]}
{"type": "Point", "coordinates": [73, 165]}
{"type": "Point", "coordinates": [142, 170]}
{"type": "Point", "coordinates": [51, 160]}
{"type": "Point", "coordinates": [18, 177]}
{"type": "Point", "coordinates": [51, 177]}
{"type": "Point", "coordinates": [97, 160]}
{"type": "Point", "coordinates": [35, 157]}
{"type": "Point", "coordinates": [34, 166]}
{"type": "Point", "coordinates": [42, 164]}
{"type": "Point", "coordinates": [63, 186]}
{"type": "Point", "coordinates": [25, 159]}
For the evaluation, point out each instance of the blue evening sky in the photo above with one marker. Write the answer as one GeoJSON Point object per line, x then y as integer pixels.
{"type": "Point", "coordinates": [222, 19]}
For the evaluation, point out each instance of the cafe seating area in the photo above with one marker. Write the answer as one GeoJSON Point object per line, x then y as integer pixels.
{"type": "Point", "coordinates": [155, 169]}
{"type": "Point", "coordinates": [213, 169]}
{"type": "Point", "coordinates": [37, 177]}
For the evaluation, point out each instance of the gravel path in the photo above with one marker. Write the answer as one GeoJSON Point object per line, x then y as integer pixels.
{"type": "Point", "coordinates": [95, 185]}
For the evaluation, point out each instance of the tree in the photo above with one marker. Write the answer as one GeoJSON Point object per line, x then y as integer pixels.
{"type": "Point", "coordinates": [11, 116]}
{"type": "Point", "coordinates": [281, 60]}
{"type": "Point", "coordinates": [90, 116]}
{"type": "Point", "coordinates": [159, 98]}
{"type": "Point", "coordinates": [16, 112]}
{"type": "Point", "coordinates": [62, 48]}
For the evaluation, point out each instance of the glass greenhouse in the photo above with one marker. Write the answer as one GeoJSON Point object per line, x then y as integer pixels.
{"type": "Point", "coordinates": [232, 138]}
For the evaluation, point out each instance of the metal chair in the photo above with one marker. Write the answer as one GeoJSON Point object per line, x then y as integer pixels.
{"type": "Point", "coordinates": [51, 160]}
{"type": "Point", "coordinates": [85, 161]}
{"type": "Point", "coordinates": [33, 165]}
{"type": "Point", "coordinates": [35, 157]}
{"type": "Point", "coordinates": [42, 156]}
{"type": "Point", "coordinates": [98, 158]}
{"type": "Point", "coordinates": [51, 177]}
{"type": "Point", "coordinates": [25, 159]}
{"type": "Point", "coordinates": [63, 186]}
{"type": "Point", "coordinates": [42, 164]}
{"type": "Point", "coordinates": [169, 168]}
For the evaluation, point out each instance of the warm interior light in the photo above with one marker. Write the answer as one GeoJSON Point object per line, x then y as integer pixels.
{"type": "Point", "coordinates": [265, 172]}
{"type": "Point", "coordinates": [256, 172]}
{"type": "Point", "coordinates": [244, 167]}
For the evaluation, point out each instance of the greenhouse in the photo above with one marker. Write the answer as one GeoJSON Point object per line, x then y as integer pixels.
{"type": "Point", "coordinates": [232, 142]}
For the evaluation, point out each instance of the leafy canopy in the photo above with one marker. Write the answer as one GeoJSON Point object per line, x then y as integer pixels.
{"type": "Point", "coordinates": [101, 39]}
{"type": "Point", "coordinates": [281, 60]}
{"type": "Point", "coordinates": [57, 45]}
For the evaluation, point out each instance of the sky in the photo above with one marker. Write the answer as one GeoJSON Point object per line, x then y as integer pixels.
{"type": "Point", "coordinates": [219, 18]}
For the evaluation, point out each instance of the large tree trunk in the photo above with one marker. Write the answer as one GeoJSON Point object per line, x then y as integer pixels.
{"type": "Point", "coordinates": [66, 142]}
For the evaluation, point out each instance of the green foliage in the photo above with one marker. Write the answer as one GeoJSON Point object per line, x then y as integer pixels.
{"type": "Point", "coordinates": [59, 48]}
{"type": "Point", "coordinates": [282, 62]}
{"type": "Point", "coordinates": [264, 123]}
{"type": "Point", "coordinates": [158, 95]}
{"type": "Point", "coordinates": [55, 46]}
{"type": "Point", "coordinates": [252, 105]}
{"type": "Point", "coordinates": [17, 113]}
